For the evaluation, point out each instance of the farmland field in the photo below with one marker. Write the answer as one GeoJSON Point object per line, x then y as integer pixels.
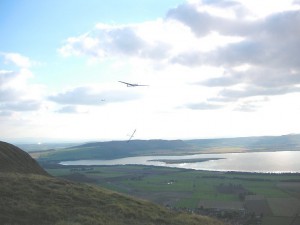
{"type": "Point", "coordinates": [269, 196]}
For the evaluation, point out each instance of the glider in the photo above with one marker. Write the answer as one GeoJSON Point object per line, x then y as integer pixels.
{"type": "Point", "coordinates": [132, 85]}
{"type": "Point", "coordinates": [131, 135]}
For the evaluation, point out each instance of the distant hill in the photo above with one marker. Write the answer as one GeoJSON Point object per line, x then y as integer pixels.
{"type": "Point", "coordinates": [29, 196]}
{"type": "Point", "coordinates": [120, 149]}
{"type": "Point", "coordinates": [140, 144]}
{"type": "Point", "coordinates": [261, 143]}
{"type": "Point", "coordinates": [13, 159]}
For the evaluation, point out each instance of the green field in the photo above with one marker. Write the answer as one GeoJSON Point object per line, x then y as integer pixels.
{"type": "Point", "coordinates": [270, 195]}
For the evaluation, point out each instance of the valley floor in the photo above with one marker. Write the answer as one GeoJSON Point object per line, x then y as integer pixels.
{"type": "Point", "coordinates": [238, 198]}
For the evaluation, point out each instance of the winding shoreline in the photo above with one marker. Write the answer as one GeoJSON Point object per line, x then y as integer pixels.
{"type": "Point", "coordinates": [178, 161]}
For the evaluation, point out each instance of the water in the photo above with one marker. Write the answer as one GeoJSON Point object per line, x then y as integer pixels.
{"type": "Point", "coordinates": [262, 162]}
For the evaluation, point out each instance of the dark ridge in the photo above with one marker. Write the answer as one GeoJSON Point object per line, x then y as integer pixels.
{"type": "Point", "coordinates": [138, 144]}
{"type": "Point", "coordinates": [289, 142]}
{"type": "Point", "coordinates": [115, 149]}
{"type": "Point", "coordinates": [13, 159]}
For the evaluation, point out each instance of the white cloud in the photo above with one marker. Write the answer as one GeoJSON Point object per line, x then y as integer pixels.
{"type": "Point", "coordinates": [16, 93]}
{"type": "Point", "coordinates": [17, 59]}
{"type": "Point", "coordinates": [72, 109]}
{"type": "Point", "coordinates": [14, 86]}
{"type": "Point", "coordinates": [105, 41]}
{"type": "Point", "coordinates": [272, 64]}
{"type": "Point", "coordinates": [194, 35]}
{"type": "Point", "coordinates": [93, 95]}
{"type": "Point", "coordinates": [4, 113]}
{"type": "Point", "coordinates": [21, 105]}
{"type": "Point", "coordinates": [204, 106]}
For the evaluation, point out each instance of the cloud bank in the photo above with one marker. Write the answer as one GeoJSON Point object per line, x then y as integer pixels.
{"type": "Point", "coordinates": [93, 95]}
{"type": "Point", "coordinates": [16, 93]}
{"type": "Point", "coordinates": [259, 54]}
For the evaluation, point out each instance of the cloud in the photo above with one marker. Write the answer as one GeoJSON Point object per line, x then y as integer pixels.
{"type": "Point", "coordinates": [17, 59]}
{"type": "Point", "coordinates": [201, 23]}
{"type": "Point", "coordinates": [202, 20]}
{"type": "Point", "coordinates": [222, 99]}
{"type": "Point", "coordinates": [269, 47]}
{"type": "Point", "coordinates": [221, 81]}
{"type": "Point", "coordinates": [262, 77]}
{"type": "Point", "coordinates": [103, 42]}
{"type": "Point", "coordinates": [220, 3]}
{"type": "Point", "coordinates": [22, 105]}
{"type": "Point", "coordinates": [8, 94]}
{"type": "Point", "coordinates": [257, 91]}
{"type": "Point", "coordinates": [16, 93]}
{"type": "Point", "coordinates": [207, 33]}
{"type": "Point", "coordinates": [6, 113]}
{"type": "Point", "coordinates": [13, 84]}
{"type": "Point", "coordinates": [246, 107]}
{"type": "Point", "coordinates": [72, 109]}
{"type": "Point", "coordinates": [255, 82]}
{"type": "Point", "coordinates": [88, 95]}
{"type": "Point", "coordinates": [6, 76]}
{"type": "Point", "coordinates": [250, 105]}
{"type": "Point", "coordinates": [110, 41]}
{"type": "Point", "coordinates": [296, 2]}
{"type": "Point", "coordinates": [265, 47]}
{"type": "Point", "coordinates": [262, 38]}
{"type": "Point", "coordinates": [203, 106]}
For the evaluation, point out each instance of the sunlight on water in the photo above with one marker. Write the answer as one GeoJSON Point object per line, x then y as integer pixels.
{"type": "Point", "coordinates": [265, 162]}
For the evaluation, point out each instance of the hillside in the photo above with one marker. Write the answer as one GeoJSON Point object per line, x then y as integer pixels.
{"type": "Point", "coordinates": [118, 149]}
{"type": "Point", "coordinates": [34, 198]}
{"type": "Point", "coordinates": [261, 143]}
{"type": "Point", "coordinates": [121, 149]}
{"type": "Point", "coordinates": [13, 159]}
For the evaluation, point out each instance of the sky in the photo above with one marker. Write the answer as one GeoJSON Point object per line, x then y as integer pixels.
{"type": "Point", "coordinates": [215, 68]}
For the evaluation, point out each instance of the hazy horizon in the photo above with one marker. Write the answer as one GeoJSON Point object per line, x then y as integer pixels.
{"type": "Point", "coordinates": [41, 141]}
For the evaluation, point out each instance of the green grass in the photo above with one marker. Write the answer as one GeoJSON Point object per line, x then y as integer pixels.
{"type": "Point", "coordinates": [13, 159]}
{"type": "Point", "coordinates": [187, 203]}
{"type": "Point", "coordinates": [161, 184]}
{"type": "Point", "coordinates": [37, 199]}
{"type": "Point", "coordinates": [276, 220]}
{"type": "Point", "coordinates": [268, 190]}
{"type": "Point", "coordinates": [284, 206]}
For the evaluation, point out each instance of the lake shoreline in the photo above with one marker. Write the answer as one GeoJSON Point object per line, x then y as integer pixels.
{"type": "Point", "coordinates": [259, 162]}
{"type": "Point", "coordinates": [176, 161]}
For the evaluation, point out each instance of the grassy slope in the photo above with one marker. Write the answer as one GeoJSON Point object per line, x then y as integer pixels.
{"type": "Point", "coordinates": [13, 159]}
{"type": "Point", "coordinates": [29, 196]}
{"type": "Point", "coordinates": [37, 199]}
{"type": "Point", "coordinates": [191, 189]}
